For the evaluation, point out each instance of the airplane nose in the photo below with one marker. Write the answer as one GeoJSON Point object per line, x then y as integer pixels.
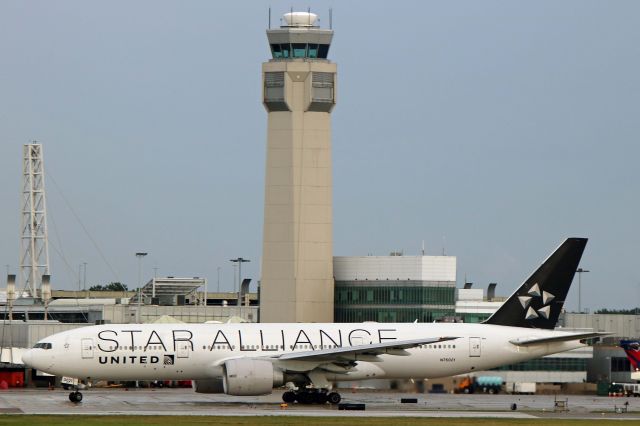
{"type": "Point", "coordinates": [27, 357]}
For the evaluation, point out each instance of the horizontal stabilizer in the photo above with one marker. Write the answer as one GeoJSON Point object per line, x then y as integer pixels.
{"type": "Point", "coordinates": [529, 341]}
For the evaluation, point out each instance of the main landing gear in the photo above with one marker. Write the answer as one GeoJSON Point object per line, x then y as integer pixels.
{"type": "Point", "coordinates": [311, 396]}
{"type": "Point", "coordinates": [75, 396]}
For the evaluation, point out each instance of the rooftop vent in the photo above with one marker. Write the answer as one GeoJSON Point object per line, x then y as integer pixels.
{"type": "Point", "coordinates": [491, 291]}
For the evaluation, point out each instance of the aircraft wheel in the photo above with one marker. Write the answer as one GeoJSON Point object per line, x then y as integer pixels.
{"type": "Point", "coordinates": [72, 397]}
{"type": "Point", "coordinates": [334, 398]}
{"type": "Point", "coordinates": [78, 397]}
{"type": "Point", "coordinates": [289, 397]}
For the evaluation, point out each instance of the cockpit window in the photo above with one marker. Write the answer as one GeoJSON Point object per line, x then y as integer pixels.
{"type": "Point", "coordinates": [42, 346]}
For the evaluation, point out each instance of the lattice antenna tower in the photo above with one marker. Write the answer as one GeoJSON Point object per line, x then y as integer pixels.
{"type": "Point", "coordinates": [34, 242]}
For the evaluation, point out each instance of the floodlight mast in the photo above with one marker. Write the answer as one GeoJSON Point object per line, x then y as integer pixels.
{"type": "Point", "coordinates": [239, 261]}
{"type": "Point", "coordinates": [34, 240]}
{"type": "Point", "coordinates": [580, 271]}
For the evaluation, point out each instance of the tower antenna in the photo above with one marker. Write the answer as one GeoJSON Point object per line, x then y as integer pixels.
{"type": "Point", "coordinates": [269, 17]}
{"type": "Point", "coordinates": [330, 18]}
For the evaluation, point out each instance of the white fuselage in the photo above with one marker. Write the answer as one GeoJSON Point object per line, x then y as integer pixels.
{"type": "Point", "coordinates": [198, 351]}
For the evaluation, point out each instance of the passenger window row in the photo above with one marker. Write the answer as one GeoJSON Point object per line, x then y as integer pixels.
{"type": "Point", "coordinates": [246, 347]}
{"type": "Point", "coordinates": [136, 348]}
{"type": "Point", "coordinates": [437, 346]}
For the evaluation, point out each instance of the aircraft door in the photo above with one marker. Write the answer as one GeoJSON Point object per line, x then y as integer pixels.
{"type": "Point", "coordinates": [87, 348]}
{"type": "Point", "coordinates": [183, 349]}
{"type": "Point", "coordinates": [474, 346]}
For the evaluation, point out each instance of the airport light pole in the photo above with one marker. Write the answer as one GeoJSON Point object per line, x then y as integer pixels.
{"type": "Point", "coordinates": [580, 271]}
{"type": "Point", "coordinates": [235, 276]}
{"type": "Point", "coordinates": [239, 261]}
{"type": "Point", "coordinates": [84, 280]}
{"type": "Point", "coordinates": [140, 256]}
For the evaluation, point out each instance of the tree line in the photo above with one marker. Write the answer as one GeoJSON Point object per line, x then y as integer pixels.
{"type": "Point", "coordinates": [115, 286]}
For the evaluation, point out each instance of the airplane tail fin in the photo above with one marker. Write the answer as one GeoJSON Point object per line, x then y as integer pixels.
{"type": "Point", "coordinates": [538, 302]}
{"type": "Point", "coordinates": [632, 349]}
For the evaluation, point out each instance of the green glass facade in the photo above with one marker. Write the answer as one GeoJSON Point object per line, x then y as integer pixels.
{"type": "Point", "coordinates": [473, 317]}
{"type": "Point", "coordinates": [393, 301]}
{"type": "Point", "coordinates": [389, 314]}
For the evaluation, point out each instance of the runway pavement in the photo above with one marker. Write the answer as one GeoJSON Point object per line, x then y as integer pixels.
{"type": "Point", "coordinates": [382, 404]}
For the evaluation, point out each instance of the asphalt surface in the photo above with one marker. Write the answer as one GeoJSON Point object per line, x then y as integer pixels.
{"type": "Point", "coordinates": [381, 404]}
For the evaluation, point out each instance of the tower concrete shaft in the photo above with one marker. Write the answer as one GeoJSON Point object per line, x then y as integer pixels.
{"type": "Point", "coordinates": [299, 94]}
{"type": "Point", "coordinates": [34, 244]}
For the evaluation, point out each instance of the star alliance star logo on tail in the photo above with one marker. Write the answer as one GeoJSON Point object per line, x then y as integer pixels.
{"type": "Point", "coordinates": [543, 312]}
{"type": "Point", "coordinates": [168, 360]}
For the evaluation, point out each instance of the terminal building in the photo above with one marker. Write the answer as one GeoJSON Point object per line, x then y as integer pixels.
{"type": "Point", "coordinates": [184, 299]}
{"type": "Point", "coordinates": [394, 288]}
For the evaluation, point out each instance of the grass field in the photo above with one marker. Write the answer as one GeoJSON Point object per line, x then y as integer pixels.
{"type": "Point", "coordinates": [282, 420]}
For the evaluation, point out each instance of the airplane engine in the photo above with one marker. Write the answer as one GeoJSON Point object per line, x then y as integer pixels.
{"type": "Point", "coordinates": [208, 386]}
{"type": "Point", "coordinates": [249, 377]}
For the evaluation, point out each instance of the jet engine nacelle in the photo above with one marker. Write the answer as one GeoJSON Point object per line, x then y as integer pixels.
{"type": "Point", "coordinates": [250, 377]}
{"type": "Point", "coordinates": [208, 386]}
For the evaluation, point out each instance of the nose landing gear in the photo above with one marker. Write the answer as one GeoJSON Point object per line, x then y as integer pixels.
{"type": "Point", "coordinates": [75, 385]}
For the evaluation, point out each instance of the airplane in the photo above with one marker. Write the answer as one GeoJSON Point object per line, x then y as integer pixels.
{"type": "Point", "coordinates": [251, 359]}
{"type": "Point", "coordinates": [632, 349]}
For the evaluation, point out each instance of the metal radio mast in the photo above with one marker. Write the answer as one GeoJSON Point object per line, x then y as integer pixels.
{"type": "Point", "coordinates": [34, 242]}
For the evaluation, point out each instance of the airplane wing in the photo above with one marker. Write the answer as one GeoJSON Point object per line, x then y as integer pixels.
{"type": "Point", "coordinates": [528, 341]}
{"type": "Point", "coordinates": [351, 353]}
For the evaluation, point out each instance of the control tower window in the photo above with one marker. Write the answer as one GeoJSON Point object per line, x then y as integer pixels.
{"type": "Point", "coordinates": [274, 86]}
{"type": "Point", "coordinates": [313, 50]}
{"type": "Point", "coordinates": [323, 51]}
{"type": "Point", "coordinates": [322, 83]}
{"type": "Point", "coordinates": [286, 50]}
{"type": "Point", "coordinates": [275, 51]}
{"type": "Point", "coordinates": [299, 50]}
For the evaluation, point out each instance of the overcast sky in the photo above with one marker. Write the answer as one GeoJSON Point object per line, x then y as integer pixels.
{"type": "Point", "coordinates": [491, 130]}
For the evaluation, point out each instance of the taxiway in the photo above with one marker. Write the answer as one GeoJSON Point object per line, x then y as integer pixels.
{"type": "Point", "coordinates": [380, 404]}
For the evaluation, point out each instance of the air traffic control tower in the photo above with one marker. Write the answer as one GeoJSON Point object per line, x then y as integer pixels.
{"type": "Point", "coordinates": [298, 94]}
